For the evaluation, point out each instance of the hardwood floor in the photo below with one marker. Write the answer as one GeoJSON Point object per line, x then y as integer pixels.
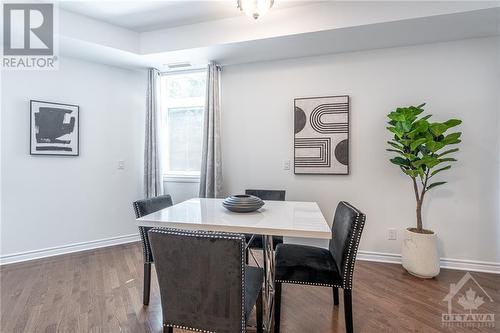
{"type": "Point", "coordinates": [101, 291]}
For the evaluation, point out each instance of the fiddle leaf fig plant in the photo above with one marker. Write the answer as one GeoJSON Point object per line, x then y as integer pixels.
{"type": "Point", "coordinates": [422, 150]}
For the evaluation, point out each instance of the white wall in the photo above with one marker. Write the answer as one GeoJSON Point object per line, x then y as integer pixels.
{"type": "Point", "coordinates": [52, 201]}
{"type": "Point", "coordinates": [456, 79]}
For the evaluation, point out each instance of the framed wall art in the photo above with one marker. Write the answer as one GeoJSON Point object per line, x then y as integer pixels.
{"type": "Point", "coordinates": [321, 142]}
{"type": "Point", "coordinates": [54, 129]}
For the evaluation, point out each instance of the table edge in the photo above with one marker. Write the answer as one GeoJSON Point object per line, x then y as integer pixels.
{"type": "Point", "coordinates": [234, 229]}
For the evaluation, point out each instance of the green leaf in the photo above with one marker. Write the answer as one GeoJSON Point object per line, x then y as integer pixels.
{"type": "Point", "coordinates": [429, 136]}
{"type": "Point", "coordinates": [396, 131]}
{"type": "Point", "coordinates": [421, 172]}
{"type": "Point", "coordinates": [452, 122]}
{"type": "Point", "coordinates": [448, 152]}
{"type": "Point", "coordinates": [405, 142]}
{"type": "Point", "coordinates": [434, 146]}
{"type": "Point", "coordinates": [410, 156]}
{"type": "Point", "coordinates": [417, 143]}
{"type": "Point", "coordinates": [406, 125]}
{"type": "Point", "coordinates": [441, 169]}
{"type": "Point", "coordinates": [426, 117]}
{"type": "Point", "coordinates": [434, 185]}
{"type": "Point", "coordinates": [452, 138]}
{"type": "Point", "coordinates": [410, 172]}
{"type": "Point", "coordinates": [397, 116]}
{"type": "Point", "coordinates": [418, 163]}
{"type": "Point", "coordinates": [437, 128]}
{"type": "Point", "coordinates": [447, 159]}
{"type": "Point", "coordinates": [420, 126]}
{"type": "Point", "coordinates": [424, 150]}
{"type": "Point", "coordinates": [416, 110]}
{"type": "Point", "coordinates": [395, 145]}
{"type": "Point", "coordinates": [396, 151]}
{"type": "Point", "coordinates": [428, 161]}
{"type": "Point", "coordinates": [399, 126]}
{"type": "Point", "coordinates": [400, 161]}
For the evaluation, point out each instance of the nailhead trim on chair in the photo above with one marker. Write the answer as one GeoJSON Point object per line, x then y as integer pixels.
{"type": "Point", "coordinates": [213, 234]}
{"type": "Point", "coordinates": [243, 293]}
{"type": "Point", "coordinates": [309, 283]}
{"type": "Point", "coordinates": [145, 241]}
{"type": "Point", "coordinates": [188, 328]}
{"type": "Point", "coordinates": [349, 264]}
{"type": "Point", "coordinates": [137, 210]}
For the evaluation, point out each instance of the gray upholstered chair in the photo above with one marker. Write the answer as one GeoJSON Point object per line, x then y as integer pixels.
{"type": "Point", "coordinates": [205, 285]}
{"type": "Point", "coordinates": [141, 208]}
{"type": "Point", "coordinates": [316, 266]}
{"type": "Point", "coordinates": [256, 241]}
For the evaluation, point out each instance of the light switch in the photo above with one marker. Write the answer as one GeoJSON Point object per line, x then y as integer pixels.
{"type": "Point", "coordinates": [392, 234]}
{"type": "Point", "coordinates": [286, 165]}
{"type": "Point", "coordinates": [121, 165]}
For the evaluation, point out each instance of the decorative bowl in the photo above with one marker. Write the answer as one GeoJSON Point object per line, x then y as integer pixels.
{"type": "Point", "coordinates": [242, 203]}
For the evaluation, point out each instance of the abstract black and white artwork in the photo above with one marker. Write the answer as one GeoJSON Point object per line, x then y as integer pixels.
{"type": "Point", "coordinates": [54, 129]}
{"type": "Point", "coordinates": [321, 144]}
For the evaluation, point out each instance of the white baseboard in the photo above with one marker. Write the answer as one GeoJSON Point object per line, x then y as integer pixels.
{"type": "Point", "coordinates": [459, 264]}
{"type": "Point", "coordinates": [70, 248]}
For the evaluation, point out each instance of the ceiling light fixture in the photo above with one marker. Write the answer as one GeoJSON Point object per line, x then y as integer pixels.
{"type": "Point", "coordinates": [255, 8]}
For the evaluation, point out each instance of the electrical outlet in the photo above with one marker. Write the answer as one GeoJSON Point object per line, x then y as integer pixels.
{"type": "Point", "coordinates": [286, 165]}
{"type": "Point", "coordinates": [392, 234]}
{"type": "Point", "coordinates": [121, 165]}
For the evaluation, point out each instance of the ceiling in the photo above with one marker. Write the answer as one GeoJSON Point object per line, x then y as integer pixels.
{"type": "Point", "coordinates": [141, 16]}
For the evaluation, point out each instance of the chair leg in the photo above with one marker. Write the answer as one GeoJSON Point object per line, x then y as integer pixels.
{"type": "Point", "coordinates": [277, 306]}
{"type": "Point", "coordinates": [335, 296]}
{"type": "Point", "coordinates": [348, 310]}
{"type": "Point", "coordinates": [246, 255]}
{"type": "Point", "coordinates": [167, 329]}
{"type": "Point", "coordinates": [147, 283]}
{"type": "Point", "coordinates": [260, 327]}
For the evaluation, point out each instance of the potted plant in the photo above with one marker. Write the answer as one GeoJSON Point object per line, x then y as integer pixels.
{"type": "Point", "coordinates": [423, 151]}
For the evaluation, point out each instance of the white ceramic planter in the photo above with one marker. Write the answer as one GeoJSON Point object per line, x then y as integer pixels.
{"type": "Point", "coordinates": [419, 254]}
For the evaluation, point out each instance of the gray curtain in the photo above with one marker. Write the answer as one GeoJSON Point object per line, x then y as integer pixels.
{"type": "Point", "coordinates": [153, 182]}
{"type": "Point", "coordinates": [211, 166]}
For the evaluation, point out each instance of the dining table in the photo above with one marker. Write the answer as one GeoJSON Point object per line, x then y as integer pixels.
{"type": "Point", "coordinates": [276, 218]}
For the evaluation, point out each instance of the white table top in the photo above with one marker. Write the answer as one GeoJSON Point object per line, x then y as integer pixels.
{"type": "Point", "coordinates": [277, 218]}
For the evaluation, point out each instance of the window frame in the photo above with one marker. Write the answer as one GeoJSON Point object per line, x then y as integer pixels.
{"type": "Point", "coordinates": [179, 176]}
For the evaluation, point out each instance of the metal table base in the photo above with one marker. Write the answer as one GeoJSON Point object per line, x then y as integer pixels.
{"type": "Point", "coordinates": [268, 294]}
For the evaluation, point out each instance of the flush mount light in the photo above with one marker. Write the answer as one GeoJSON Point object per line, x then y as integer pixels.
{"type": "Point", "coordinates": [255, 8]}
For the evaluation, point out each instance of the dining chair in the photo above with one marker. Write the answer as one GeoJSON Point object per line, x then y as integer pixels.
{"type": "Point", "coordinates": [256, 241]}
{"type": "Point", "coordinates": [141, 208]}
{"type": "Point", "coordinates": [316, 266]}
{"type": "Point", "coordinates": [205, 285]}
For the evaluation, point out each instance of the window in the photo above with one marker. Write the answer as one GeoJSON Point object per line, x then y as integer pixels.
{"type": "Point", "coordinates": [183, 103]}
